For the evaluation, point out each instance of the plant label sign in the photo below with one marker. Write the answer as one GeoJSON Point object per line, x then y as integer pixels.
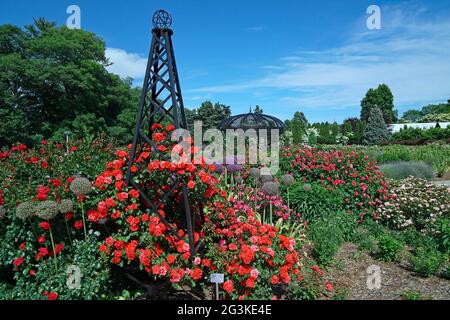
{"type": "Point", "coordinates": [217, 277]}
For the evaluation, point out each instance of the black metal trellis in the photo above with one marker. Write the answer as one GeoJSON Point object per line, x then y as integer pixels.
{"type": "Point", "coordinates": [161, 100]}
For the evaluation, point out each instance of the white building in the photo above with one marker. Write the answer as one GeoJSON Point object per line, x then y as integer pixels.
{"type": "Point", "coordinates": [424, 126]}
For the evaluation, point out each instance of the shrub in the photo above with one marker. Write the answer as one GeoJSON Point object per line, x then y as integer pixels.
{"type": "Point", "coordinates": [376, 130]}
{"type": "Point", "coordinates": [357, 181]}
{"type": "Point", "coordinates": [328, 233]}
{"type": "Point", "coordinates": [313, 201]}
{"type": "Point", "coordinates": [389, 248]}
{"type": "Point", "coordinates": [417, 204]}
{"type": "Point", "coordinates": [427, 261]}
{"type": "Point", "coordinates": [403, 169]}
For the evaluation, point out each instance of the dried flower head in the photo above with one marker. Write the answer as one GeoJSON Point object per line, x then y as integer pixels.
{"type": "Point", "coordinates": [47, 210]}
{"type": "Point", "coordinates": [80, 186]}
{"type": "Point", "coordinates": [65, 206]}
{"type": "Point", "coordinates": [238, 180]}
{"type": "Point", "coordinates": [287, 180]}
{"type": "Point", "coordinates": [307, 187]}
{"type": "Point", "coordinates": [266, 178]}
{"type": "Point", "coordinates": [2, 212]}
{"type": "Point", "coordinates": [254, 173]}
{"type": "Point", "coordinates": [270, 188]}
{"type": "Point", "coordinates": [25, 210]}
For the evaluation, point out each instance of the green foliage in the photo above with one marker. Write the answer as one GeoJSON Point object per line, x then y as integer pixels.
{"type": "Point", "coordinates": [210, 114]}
{"type": "Point", "coordinates": [440, 117]}
{"type": "Point", "coordinates": [389, 248]}
{"type": "Point", "coordinates": [438, 156]}
{"type": "Point", "coordinates": [418, 136]}
{"type": "Point", "coordinates": [313, 201]}
{"type": "Point", "coordinates": [376, 131]}
{"type": "Point", "coordinates": [427, 261]}
{"type": "Point", "coordinates": [404, 169]}
{"type": "Point", "coordinates": [52, 76]}
{"type": "Point", "coordinates": [328, 233]}
{"type": "Point", "coordinates": [414, 295]}
{"type": "Point", "coordinates": [412, 115]}
{"type": "Point", "coordinates": [380, 98]}
{"type": "Point", "coordinates": [297, 125]}
{"type": "Point", "coordinates": [442, 236]}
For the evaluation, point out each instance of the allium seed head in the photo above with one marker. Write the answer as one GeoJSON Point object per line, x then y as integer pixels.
{"type": "Point", "coordinates": [80, 186]}
{"type": "Point", "coordinates": [288, 180]}
{"type": "Point", "coordinates": [266, 178]}
{"type": "Point", "coordinates": [2, 212]}
{"type": "Point", "coordinates": [270, 188]}
{"type": "Point", "coordinates": [238, 180]}
{"type": "Point", "coordinates": [307, 187]}
{"type": "Point", "coordinates": [47, 210]}
{"type": "Point", "coordinates": [25, 210]}
{"type": "Point", "coordinates": [254, 173]}
{"type": "Point", "coordinates": [65, 206]}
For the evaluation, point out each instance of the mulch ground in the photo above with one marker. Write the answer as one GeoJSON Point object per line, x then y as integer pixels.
{"type": "Point", "coordinates": [349, 275]}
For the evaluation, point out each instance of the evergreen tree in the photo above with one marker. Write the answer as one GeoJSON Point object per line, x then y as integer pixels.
{"type": "Point", "coordinates": [376, 130]}
{"type": "Point", "coordinates": [381, 98]}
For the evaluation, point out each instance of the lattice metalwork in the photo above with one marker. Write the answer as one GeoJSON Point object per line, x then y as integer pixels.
{"type": "Point", "coordinates": [161, 102]}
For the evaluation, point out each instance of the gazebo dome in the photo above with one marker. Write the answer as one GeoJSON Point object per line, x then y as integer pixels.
{"type": "Point", "coordinates": [252, 120]}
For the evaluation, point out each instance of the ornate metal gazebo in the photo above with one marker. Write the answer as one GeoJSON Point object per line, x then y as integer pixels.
{"type": "Point", "coordinates": [252, 120]}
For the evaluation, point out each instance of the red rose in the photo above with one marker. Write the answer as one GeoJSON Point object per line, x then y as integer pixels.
{"type": "Point", "coordinates": [102, 248]}
{"type": "Point", "coordinates": [328, 286]}
{"type": "Point", "coordinates": [52, 296]}
{"type": "Point", "coordinates": [274, 280]}
{"type": "Point", "coordinates": [197, 274]}
{"type": "Point", "coordinates": [41, 239]}
{"type": "Point", "coordinates": [191, 184]}
{"type": "Point", "coordinates": [17, 262]}
{"type": "Point", "coordinates": [170, 259]}
{"type": "Point", "coordinates": [78, 224]}
{"type": "Point", "coordinates": [109, 241]}
{"type": "Point", "coordinates": [247, 255]}
{"type": "Point", "coordinates": [228, 286]}
{"type": "Point", "coordinates": [44, 225]}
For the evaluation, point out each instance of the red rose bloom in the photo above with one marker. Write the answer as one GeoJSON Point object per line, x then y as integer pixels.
{"type": "Point", "coordinates": [228, 286]}
{"type": "Point", "coordinates": [17, 262]}
{"type": "Point", "coordinates": [52, 296]}
{"type": "Point", "coordinates": [44, 225]}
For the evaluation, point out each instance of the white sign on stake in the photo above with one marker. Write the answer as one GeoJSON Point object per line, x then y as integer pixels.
{"type": "Point", "coordinates": [217, 277]}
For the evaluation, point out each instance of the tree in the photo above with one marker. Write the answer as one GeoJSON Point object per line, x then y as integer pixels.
{"type": "Point", "coordinates": [381, 98]}
{"type": "Point", "coordinates": [297, 126]}
{"type": "Point", "coordinates": [51, 75]}
{"type": "Point", "coordinates": [376, 130]}
{"type": "Point", "coordinates": [436, 109]}
{"type": "Point", "coordinates": [412, 115]}
{"type": "Point", "coordinates": [211, 115]}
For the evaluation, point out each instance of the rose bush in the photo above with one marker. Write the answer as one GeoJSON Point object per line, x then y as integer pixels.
{"type": "Point", "coordinates": [360, 180]}
{"type": "Point", "coordinates": [416, 203]}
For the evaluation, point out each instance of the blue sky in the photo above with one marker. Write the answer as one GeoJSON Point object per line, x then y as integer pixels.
{"type": "Point", "coordinates": [285, 55]}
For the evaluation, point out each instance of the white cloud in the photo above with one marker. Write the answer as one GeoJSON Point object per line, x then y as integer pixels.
{"type": "Point", "coordinates": [126, 64]}
{"type": "Point", "coordinates": [409, 54]}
